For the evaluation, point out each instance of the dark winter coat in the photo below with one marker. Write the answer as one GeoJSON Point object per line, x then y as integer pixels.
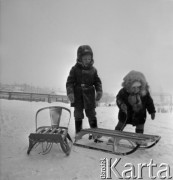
{"type": "Point", "coordinates": [83, 82]}
{"type": "Point", "coordinates": [134, 118]}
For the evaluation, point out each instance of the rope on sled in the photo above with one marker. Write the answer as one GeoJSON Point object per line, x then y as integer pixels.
{"type": "Point", "coordinates": [47, 149]}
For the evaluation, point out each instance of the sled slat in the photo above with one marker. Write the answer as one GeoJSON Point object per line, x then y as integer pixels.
{"type": "Point", "coordinates": [120, 134]}
{"type": "Point", "coordinates": [53, 130]}
{"type": "Point", "coordinates": [46, 131]}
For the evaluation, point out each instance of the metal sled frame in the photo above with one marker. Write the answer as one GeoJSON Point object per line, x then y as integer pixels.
{"type": "Point", "coordinates": [135, 139]}
{"type": "Point", "coordinates": [51, 134]}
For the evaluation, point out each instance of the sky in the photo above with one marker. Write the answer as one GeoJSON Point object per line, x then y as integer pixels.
{"type": "Point", "coordinates": [39, 40]}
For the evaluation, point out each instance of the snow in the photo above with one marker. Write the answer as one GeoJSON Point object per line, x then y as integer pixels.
{"type": "Point", "coordinates": [17, 120]}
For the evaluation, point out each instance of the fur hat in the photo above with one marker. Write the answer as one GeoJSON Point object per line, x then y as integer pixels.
{"type": "Point", "coordinates": [82, 50]}
{"type": "Point", "coordinates": [135, 77]}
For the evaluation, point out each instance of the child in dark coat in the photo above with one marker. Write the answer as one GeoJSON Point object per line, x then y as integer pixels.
{"type": "Point", "coordinates": [133, 101]}
{"type": "Point", "coordinates": [84, 87]}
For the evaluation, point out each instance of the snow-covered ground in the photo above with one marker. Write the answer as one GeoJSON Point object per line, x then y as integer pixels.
{"type": "Point", "coordinates": [17, 122]}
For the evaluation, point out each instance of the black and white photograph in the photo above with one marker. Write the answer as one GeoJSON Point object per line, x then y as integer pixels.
{"type": "Point", "coordinates": [86, 89]}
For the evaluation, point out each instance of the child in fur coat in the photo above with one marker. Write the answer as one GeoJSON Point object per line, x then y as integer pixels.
{"type": "Point", "coordinates": [133, 101]}
{"type": "Point", "coordinates": [84, 88]}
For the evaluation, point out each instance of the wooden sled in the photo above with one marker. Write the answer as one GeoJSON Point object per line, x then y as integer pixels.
{"type": "Point", "coordinates": [53, 133]}
{"type": "Point", "coordinates": [125, 143]}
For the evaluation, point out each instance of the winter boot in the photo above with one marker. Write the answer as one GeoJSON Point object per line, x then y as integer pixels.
{"type": "Point", "coordinates": [78, 126]}
{"type": "Point", "coordinates": [93, 124]}
{"type": "Point", "coordinates": [140, 129]}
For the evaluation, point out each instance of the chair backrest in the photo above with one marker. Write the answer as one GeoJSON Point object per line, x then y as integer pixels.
{"type": "Point", "coordinates": [53, 113]}
{"type": "Point", "coordinates": [55, 116]}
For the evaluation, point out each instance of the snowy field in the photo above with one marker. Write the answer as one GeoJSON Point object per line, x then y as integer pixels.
{"type": "Point", "coordinates": [17, 122]}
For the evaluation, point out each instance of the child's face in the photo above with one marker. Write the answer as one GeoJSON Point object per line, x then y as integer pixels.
{"type": "Point", "coordinates": [136, 87]}
{"type": "Point", "coordinates": [86, 60]}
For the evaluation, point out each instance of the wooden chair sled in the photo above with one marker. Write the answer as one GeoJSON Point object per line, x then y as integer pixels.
{"type": "Point", "coordinates": [125, 143]}
{"type": "Point", "coordinates": [53, 133]}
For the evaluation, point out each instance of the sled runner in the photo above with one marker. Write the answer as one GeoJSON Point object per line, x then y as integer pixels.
{"type": "Point", "coordinates": [54, 132]}
{"type": "Point", "coordinates": [125, 142]}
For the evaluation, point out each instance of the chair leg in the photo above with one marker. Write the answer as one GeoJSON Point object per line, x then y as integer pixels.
{"type": "Point", "coordinates": [65, 145]}
{"type": "Point", "coordinates": [31, 145]}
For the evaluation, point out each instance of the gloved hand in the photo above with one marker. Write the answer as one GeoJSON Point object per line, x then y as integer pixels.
{"type": "Point", "coordinates": [153, 116]}
{"type": "Point", "coordinates": [98, 95]}
{"type": "Point", "coordinates": [71, 97]}
{"type": "Point", "coordinates": [123, 108]}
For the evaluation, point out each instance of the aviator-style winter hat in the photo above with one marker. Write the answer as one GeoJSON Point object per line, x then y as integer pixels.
{"type": "Point", "coordinates": [82, 50]}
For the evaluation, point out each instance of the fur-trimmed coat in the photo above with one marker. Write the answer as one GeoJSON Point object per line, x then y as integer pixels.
{"type": "Point", "coordinates": [134, 118]}
{"type": "Point", "coordinates": [82, 83]}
